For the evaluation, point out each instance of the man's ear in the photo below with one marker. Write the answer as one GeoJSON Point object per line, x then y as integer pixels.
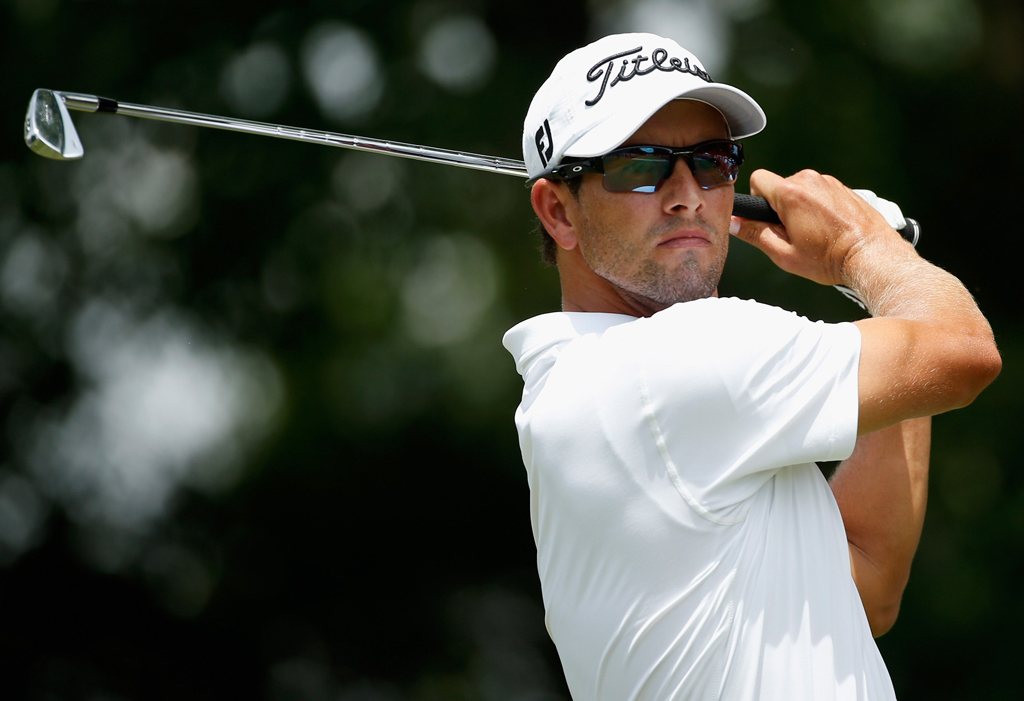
{"type": "Point", "coordinates": [550, 201]}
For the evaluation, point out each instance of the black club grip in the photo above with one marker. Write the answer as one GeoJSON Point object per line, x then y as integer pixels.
{"type": "Point", "coordinates": [758, 209]}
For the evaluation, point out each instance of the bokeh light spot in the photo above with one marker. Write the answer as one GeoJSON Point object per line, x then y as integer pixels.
{"type": "Point", "coordinates": [255, 82]}
{"type": "Point", "coordinates": [164, 408]}
{"type": "Point", "coordinates": [925, 34]}
{"type": "Point", "coordinates": [449, 290]}
{"type": "Point", "coordinates": [31, 275]}
{"type": "Point", "coordinates": [699, 26]}
{"type": "Point", "coordinates": [126, 180]}
{"type": "Point", "coordinates": [458, 53]}
{"type": "Point", "coordinates": [23, 513]}
{"type": "Point", "coordinates": [342, 70]}
{"type": "Point", "coordinates": [366, 181]}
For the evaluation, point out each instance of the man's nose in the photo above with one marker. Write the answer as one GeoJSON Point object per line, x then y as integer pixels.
{"type": "Point", "coordinates": [681, 191]}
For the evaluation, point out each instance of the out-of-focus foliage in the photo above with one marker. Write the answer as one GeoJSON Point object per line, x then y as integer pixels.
{"type": "Point", "coordinates": [258, 421]}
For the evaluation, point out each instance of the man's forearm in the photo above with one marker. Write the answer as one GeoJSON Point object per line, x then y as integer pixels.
{"type": "Point", "coordinates": [928, 348]}
{"type": "Point", "coordinates": [894, 281]}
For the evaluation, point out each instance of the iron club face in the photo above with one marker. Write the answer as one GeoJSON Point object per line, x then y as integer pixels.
{"type": "Point", "coordinates": [49, 130]}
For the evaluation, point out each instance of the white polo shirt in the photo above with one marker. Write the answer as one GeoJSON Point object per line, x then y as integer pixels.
{"type": "Point", "coordinates": [688, 546]}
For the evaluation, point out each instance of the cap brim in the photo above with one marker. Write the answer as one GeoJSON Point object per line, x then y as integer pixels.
{"type": "Point", "coordinates": [744, 116]}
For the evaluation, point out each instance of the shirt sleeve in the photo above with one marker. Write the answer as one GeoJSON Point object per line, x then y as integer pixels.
{"type": "Point", "coordinates": [734, 390]}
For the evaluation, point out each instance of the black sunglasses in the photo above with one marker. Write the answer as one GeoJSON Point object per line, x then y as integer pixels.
{"type": "Point", "coordinates": [645, 168]}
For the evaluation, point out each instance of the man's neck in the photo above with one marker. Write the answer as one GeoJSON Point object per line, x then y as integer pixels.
{"type": "Point", "coordinates": [583, 290]}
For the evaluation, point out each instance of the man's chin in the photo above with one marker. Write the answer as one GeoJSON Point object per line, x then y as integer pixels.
{"type": "Point", "coordinates": [686, 285]}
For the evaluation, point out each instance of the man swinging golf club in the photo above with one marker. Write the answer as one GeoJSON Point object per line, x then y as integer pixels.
{"type": "Point", "coordinates": [687, 544]}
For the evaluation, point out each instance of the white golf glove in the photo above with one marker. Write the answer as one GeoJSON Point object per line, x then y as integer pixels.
{"type": "Point", "coordinates": [889, 210]}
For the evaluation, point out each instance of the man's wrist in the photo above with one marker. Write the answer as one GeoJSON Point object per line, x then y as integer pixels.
{"type": "Point", "coordinates": [877, 269]}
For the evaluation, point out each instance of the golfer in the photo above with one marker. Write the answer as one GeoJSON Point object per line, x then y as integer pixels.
{"type": "Point", "coordinates": [688, 545]}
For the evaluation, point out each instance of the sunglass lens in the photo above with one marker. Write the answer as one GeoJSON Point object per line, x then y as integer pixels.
{"type": "Point", "coordinates": [635, 170]}
{"type": "Point", "coordinates": [716, 165]}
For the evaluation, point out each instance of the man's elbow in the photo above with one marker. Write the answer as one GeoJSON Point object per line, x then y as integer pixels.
{"type": "Point", "coordinates": [882, 618]}
{"type": "Point", "coordinates": [991, 366]}
{"type": "Point", "coordinates": [880, 587]}
{"type": "Point", "coordinates": [980, 369]}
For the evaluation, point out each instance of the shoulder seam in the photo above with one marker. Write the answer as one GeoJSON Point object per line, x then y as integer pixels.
{"type": "Point", "coordinates": [670, 466]}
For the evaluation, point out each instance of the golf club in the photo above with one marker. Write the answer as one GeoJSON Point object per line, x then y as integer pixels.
{"type": "Point", "coordinates": [50, 132]}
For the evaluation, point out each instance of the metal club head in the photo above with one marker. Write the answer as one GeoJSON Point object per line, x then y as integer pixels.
{"type": "Point", "coordinates": [49, 130]}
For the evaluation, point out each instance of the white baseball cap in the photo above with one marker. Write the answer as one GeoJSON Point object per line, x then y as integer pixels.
{"type": "Point", "coordinates": [599, 95]}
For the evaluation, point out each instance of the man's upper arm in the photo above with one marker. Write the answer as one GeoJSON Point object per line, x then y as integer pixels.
{"type": "Point", "coordinates": [737, 390]}
{"type": "Point", "coordinates": [917, 368]}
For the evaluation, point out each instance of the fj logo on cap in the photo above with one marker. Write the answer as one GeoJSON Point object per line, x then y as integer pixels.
{"type": "Point", "coordinates": [659, 58]}
{"type": "Point", "coordinates": [545, 147]}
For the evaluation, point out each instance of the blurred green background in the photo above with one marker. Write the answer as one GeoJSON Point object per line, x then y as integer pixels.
{"type": "Point", "coordinates": [258, 436]}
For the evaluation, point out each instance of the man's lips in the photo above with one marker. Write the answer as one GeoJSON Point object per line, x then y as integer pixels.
{"type": "Point", "coordinates": [689, 238]}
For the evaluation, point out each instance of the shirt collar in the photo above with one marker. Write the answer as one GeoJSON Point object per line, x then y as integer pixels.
{"type": "Point", "coordinates": [527, 340]}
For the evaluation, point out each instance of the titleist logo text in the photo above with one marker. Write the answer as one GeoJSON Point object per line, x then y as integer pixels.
{"type": "Point", "coordinates": [659, 61]}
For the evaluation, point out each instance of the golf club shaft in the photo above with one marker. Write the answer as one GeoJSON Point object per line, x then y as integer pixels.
{"type": "Point", "coordinates": [746, 206]}
{"type": "Point", "coordinates": [92, 103]}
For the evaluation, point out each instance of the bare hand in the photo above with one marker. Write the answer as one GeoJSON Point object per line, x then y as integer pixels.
{"type": "Point", "coordinates": [825, 224]}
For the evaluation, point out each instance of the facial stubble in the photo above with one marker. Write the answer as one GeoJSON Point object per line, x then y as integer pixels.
{"type": "Point", "coordinates": [631, 267]}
